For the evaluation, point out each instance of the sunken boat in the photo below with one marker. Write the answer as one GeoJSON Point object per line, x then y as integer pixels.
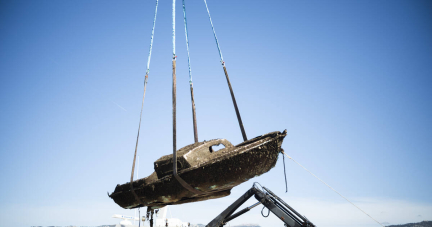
{"type": "Point", "coordinates": [211, 173]}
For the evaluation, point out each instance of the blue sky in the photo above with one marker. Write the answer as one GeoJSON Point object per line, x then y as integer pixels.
{"type": "Point", "coordinates": [349, 80]}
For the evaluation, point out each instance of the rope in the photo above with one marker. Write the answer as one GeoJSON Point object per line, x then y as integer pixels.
{"type": "Point", "coordinates": [142, 103]}
{"type": "Point", "coordinates": [331, 188]}
{"type": "Point", "coordinates": [263, 213]}
{"type": "Point", "coordinates": [286, 184]}
{"type": "Point", "coordinates": [214, 33]}
{"type": "Point", "coordinates": [151, 39]}
{"type": "Point", "coordinates": [173, 28]}
{"type": "Point", "coordinates": [187, 41]}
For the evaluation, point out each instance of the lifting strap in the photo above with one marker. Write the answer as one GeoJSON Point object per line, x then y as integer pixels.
{"type": "Point", "coordinates": [174, 97]}
{"type": "Point", "coordinates": [142, 103]}
{"type": "Point", "coordinates": [227, 78]}
{"type": "Point", "coordinates": [190, 75]}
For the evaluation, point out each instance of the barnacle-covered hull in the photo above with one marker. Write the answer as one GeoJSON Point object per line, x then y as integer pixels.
{"type": "Point", "coordinates": [212, 172]}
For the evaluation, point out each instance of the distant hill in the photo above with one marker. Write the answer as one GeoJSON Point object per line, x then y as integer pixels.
{"type": "Point", "coordinates": [420, 224]}
{"type": "Point", "coordinates": [197, 225]}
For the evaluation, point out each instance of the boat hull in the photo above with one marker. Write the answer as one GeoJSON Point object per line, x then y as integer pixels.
{"type": "Point", "coordinates": [216, 177]}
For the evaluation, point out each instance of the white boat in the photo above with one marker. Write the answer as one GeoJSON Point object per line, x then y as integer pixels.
{"type": "Point", "coordinates": [160, 221]}
{"type": "Point", "coordinates": [163, 221]}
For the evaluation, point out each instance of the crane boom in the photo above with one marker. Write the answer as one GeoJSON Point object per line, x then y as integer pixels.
{"type": "Point", "coordinates": [289, 216]}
